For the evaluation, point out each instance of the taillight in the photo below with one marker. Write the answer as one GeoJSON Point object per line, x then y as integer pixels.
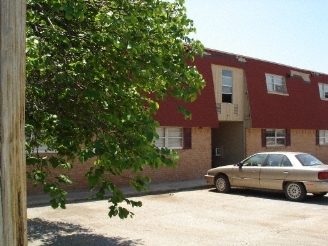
{"type": "Point", "coordinates": [323, 175]}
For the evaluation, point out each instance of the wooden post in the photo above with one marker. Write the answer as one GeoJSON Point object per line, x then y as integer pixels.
{"type": "Point", "coordinates": [13, 225]}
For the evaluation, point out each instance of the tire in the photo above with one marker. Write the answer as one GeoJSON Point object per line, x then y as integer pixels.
{"type": "Point", "coordinates": [295, 191]}
{"type": "Point", "coordinates": [222, 184]}
{"type": "Point", "coordinates": [320, 194]}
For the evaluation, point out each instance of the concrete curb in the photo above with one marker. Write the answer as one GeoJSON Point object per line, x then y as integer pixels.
{"type": "Point", "coordinates": [159, 188]}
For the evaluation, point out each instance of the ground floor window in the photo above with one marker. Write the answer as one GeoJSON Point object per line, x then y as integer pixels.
{"type": "Point", "coordinates": [275, 137]}
{"type": "Point", "coordinates": [170, 137]}
{"type": "Point", "coordinates": [322, 137]}
{"type": "Point", "coordinates": [42, 147]}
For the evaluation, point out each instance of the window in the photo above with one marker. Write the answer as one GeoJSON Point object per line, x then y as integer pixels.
{"type": "Point", "coordinates": [275, 137]}
{"type": "Point", "coordinates": [226, 86]}
{"type": "Point", "coordinates": [255, 160]}
{"type": "Point", "coordinates": [274, 160]}
{"type": "Point", "coordinates": [275, 84]}
{"type": "Point", "coordinates": [286, 162]}
{"type": "Point", "coordinates": [173, 137]}
{"type": "Point", "coordinates": [308, 160]}
{"type": "Point", "coordinates": [322, 137]}
{"type": "Point", "coordinates": [323, 91]}
{"type": "Point", "coordinates": [41, 147]}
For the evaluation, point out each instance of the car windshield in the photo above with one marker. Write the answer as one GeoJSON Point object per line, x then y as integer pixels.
{"type": "Point", "coordinates": [308, 160]}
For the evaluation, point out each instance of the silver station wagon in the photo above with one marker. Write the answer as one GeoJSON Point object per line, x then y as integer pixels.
{"type": "Point", "coordinates": [295, 173]}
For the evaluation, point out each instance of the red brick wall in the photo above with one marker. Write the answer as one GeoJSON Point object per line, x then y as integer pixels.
{"type": "Point", "coordinates": [301, 140]}
{"type": "Point", "coordinates": [193, 164]}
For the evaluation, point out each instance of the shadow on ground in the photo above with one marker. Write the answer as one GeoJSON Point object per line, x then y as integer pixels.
{"type": "Point", "coordinates": [274, 195]}
{"type": "Point", "coordinates": [42, 232]}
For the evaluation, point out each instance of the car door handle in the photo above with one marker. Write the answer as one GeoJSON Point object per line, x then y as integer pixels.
{"type": "Point", "coordinates": [286, 172]}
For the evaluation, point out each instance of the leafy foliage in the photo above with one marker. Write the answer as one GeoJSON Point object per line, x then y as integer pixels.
{"type": "Point", "coordinates": [91, 66]}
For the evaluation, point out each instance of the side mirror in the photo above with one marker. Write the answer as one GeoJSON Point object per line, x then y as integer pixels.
{"type": "Point", "coordinates": [240, 165]}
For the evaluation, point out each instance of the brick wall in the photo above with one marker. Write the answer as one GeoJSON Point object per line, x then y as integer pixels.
{"type": "Point", "coordinates": [301, 140]}
{"type": "Point", "coordinates": [193, 164]}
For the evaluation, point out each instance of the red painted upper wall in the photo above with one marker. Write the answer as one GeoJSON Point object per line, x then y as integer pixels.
{"type": "Point", "coordinates": [203, 109]}
{"type": "Point", "coordinates": [302, 108]}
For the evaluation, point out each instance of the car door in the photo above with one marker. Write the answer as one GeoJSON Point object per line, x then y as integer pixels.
{"type": "Point", "coordinates": [274, 171]}
{"type": "Point", "coordinates": [248, 172]}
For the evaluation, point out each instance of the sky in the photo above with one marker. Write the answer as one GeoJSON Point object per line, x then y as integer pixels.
{"type": "Point", "coordinates": [289, 32]}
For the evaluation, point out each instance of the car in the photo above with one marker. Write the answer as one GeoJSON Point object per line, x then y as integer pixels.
{"type": "Point", "coordinates": [294, 173]}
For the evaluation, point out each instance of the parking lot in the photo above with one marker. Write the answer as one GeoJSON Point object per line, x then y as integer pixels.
{"type": "Point", "coordinates": [196, 217]}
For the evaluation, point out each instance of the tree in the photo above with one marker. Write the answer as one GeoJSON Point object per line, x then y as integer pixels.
{"type": "Point", "coordinates": [92, 67]}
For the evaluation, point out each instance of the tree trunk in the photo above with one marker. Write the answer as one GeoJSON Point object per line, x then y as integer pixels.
{"type": "Point", "coordinates": [13, 226]}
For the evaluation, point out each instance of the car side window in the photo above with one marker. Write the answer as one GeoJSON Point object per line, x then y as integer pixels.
{"type": "Point", "coordinates": [255, 160]}
{"type": "Point", "coordinates": [274, 160]}
{"type": "Point", "coordinates": [308, 160]}
{"type": "Point", "coordinates": [286, 162]}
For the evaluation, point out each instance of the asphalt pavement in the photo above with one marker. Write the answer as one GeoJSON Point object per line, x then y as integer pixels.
{"type": "Point", "coordinates": [154, 188]}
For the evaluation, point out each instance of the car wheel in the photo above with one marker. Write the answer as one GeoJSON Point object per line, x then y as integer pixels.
{"type": "Point", "coordinates": [320, 194]}
{"type": "Point", "coordinates": [222, 184]}
{"type": "Point", "coordinates": [295, 191]}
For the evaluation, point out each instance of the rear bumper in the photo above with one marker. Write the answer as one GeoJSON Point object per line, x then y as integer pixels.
{"type": "Point", "coordinates": [316, 186]}
{"type": "Point", "coordinates": [209, 179]}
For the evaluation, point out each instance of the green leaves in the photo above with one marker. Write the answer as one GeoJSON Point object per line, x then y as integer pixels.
{"type": "Point", "coordinates": [73, 9]}
{"type": "Point", "coordinates": [91, 66]}
{"type": "Point", "coordinates": [118, 197]}
{"type": "Point", "coordinates": [93, 180]}
{"type": "Point", "coordinates": [185, 112]}
{"type": "Point", "coordinates": [140, 183]}
{"type": "Point", "coordinates": [58, 195]}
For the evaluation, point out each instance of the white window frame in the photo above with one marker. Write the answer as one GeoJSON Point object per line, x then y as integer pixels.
{"type": "Point", "coordinates": [42, 148]}
{"type": "Point", "coordinates": [323, 137]}
{"type": "Point", "coordinates": [275, 84]}
{"type": "Point", "coordinates": [275, 139]}
{"type": "Point", "coordinates": [323, 91]}
{"type": "Point", "coordinates": [228, 87]}
{"type": "Point", "coordinates": [167, 137]}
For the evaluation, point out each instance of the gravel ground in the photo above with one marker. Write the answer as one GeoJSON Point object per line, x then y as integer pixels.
{"type": "Point", "coordinates": [198, 217]}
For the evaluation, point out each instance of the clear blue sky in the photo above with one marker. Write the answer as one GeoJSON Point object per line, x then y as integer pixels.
{"type": "Point", "coordinates": [290, 32]}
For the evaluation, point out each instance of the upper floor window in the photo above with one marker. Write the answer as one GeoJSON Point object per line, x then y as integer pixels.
{"type": "Point", "coordinates": [323, 91]}
{"type": "Point", "coordinates": [275, 83]}
{"type": "Point", "coordinates": [169, 137]}
{"type": "Point", "coordinates": [323, 137]}
{"type": "Point", "coordinates": [226, 86]}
